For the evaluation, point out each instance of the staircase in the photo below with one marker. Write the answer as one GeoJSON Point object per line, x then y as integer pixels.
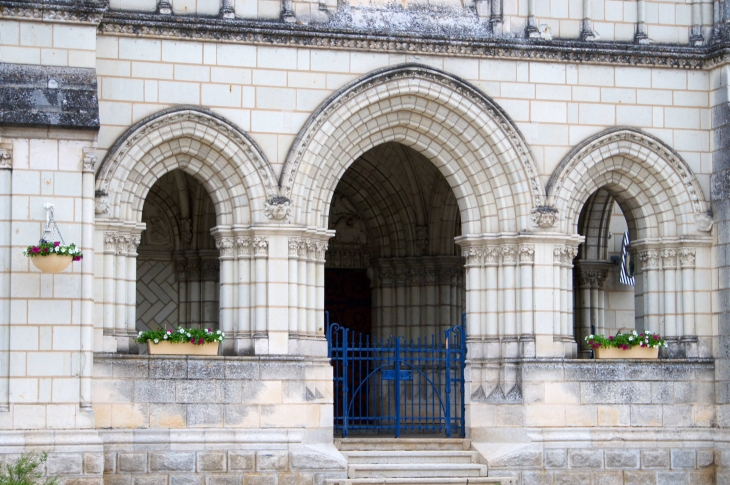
{"type": "Point", "coordinates": [400, 461]}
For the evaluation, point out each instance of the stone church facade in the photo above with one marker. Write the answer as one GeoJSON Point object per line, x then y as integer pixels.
{"type": "Point", "coordinates": [249, 165]}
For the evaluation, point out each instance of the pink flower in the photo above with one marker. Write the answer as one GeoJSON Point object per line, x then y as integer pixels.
{"type": "Point", "coordinates": [169, 331]}
{"type": "Point", "coordinates": [610, 338]}
{"type": "Point", "coordinates": [36, 249]}
{"type": "Point", "coordinates": [192, 340]}
{"type": "Point", "coordinates": [77, 258]}
{"type": "Point", "coordinates": [56, 243]}
{"type": "Point", "coordinates": [200, 341]}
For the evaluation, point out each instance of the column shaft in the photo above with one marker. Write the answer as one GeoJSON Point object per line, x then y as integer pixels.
{"type": "Point", "coordinates": [6, 216]}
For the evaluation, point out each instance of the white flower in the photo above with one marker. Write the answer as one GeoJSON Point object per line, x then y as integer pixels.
{"type": "Point", "coordinates": [635, 333]}
{"type": "Point", "coordinates": [218, 332]}
{"type": "Point", "coordinates": [140, 333]}
{"type": "Point", "coordinates": [182, 331]}
{"type": "Point", "coordinates": [165, 337]}
{"type": "Point", "coordinates": [590, 336]}
{"type": "Point", "coordinates": [188, 335]}
{"type": "Point", "coordinates": [157, 341]}
{"type": "Point", "coordinates": [223, 334]}
{"type": "Point", "coordinates": [631, 339]}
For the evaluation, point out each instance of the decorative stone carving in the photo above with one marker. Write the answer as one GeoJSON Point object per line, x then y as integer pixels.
{"type": "Point", "coordinates": [527, 253]}
{"type": "Point", "coordinates": [422, 237]}
{"type": "Point", "coordinates": [157, 233]}
{"type": "Point", "coordinates": [226, 11]}
{"type": "Point", "coordinates": [559, 254]}
{"type": "Point", "coordinates": [387, 277]}
{"type": "Point", "coordinates": [243, 246]}
{"type": "Point", "coordinates": [277, 208]}
{"type": "Point", "coordinates": [294, 243]}
{"type": "Point", "coordinates": [592, 278]}
{"type": "Point", "coordinates": [123, 244]}
{"type": "Point", "coordinates": [472, 255]}
{"type": "Point", "coordinates": [101, 202]}
{"type": "Point", "coordinates": [110, 241]}
{"type": "Point", "coordinates": [261, 245]}
{"type": "Point", "coordinates": [349, 227]}
{"type": "Point", "coordinates": [6, 156]}
{"type": "Point", "coordinates": [649, 259]}
{"type": "Point", "coordinates": [181, 271]}
{"type": "Point", "coordinates": [544, 216]}
{"type": "Point", "coordinates": [348, 257]}
{"type": "Point", "coordinates": [133, 244]}
{"type": "Point", "coordinates": [211, 270]}
{"type": "Point", "coordinates": [88, 160]}
{"type": "Point", "coordinates": [704, 222]}
{"type": "Point", "coordinates": [320, 250]}
{"type": "Point", "coordinates": [669, 258]}
{"type": "Point", "coordinates": [491, 255]}
{"type": "Point", "coordinates": [164, 7]}
{"type": "Point", "coordinates": [193, 271]}
{"type": "Point", "coordinates": [509, 254]}
{"type": "Point", "coordinates": [687, 257]}
{"type": "Point", "coordinates": [225, 246]}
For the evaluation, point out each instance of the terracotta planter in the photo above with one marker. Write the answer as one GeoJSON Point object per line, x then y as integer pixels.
{"type": "Point", "coordinates": [53, 263]}
{"type": "Point", "coordinates": [632, 353]}
{"type": "Point", "coordinates": [167, 348]}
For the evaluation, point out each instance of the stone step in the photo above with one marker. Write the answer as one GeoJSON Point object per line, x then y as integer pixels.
{"type": "Point", "coordinates": [416, 470]}
{"type": "Point", "coordinates": [424, 481]}
{"type": "Point", "coordinates": [392, 457]}
{"type": "Point", "coordinates": [401, 444]}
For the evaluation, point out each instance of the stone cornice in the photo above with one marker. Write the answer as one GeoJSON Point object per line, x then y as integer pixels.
{"type": "Point", "coordinates": [79, 11]}
{"type": "Point", "coordinates": [276, 33]}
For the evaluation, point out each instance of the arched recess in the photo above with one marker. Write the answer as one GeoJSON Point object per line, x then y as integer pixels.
{"type": "Point", "coordinates": [668, 221]}
{"type": "Point", "coordinates": [231, 169]}
{"type": "Point", "coordinates": [475, 145]}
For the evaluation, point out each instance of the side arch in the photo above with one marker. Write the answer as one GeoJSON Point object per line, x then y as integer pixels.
{"type": "Point", "coordinates": [227, 162]}
{"type": "Point", "coordinates": [463, 132]}
{"type": "Point", "coordinates": [649, 177]}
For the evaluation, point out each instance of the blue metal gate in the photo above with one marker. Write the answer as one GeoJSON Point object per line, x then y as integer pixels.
{"type": "Point", "coordinates": [397, 387]}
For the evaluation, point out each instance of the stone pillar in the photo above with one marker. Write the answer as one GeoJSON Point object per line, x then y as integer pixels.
{"type": "Point", "coordinates": [131, 313]}
{"type": "Point", "coordinates": [244, 290]}
{"type": "Point", "coordinates": [497, 17]}
{"type": "Point", "coordinates": [586, 32]}
{"type": "Point", "coordinates": [641, 37]}
{"type": "Point", "coordinates": [110, 239]}
{"type": "Point", "coordinates": [226, 300]}
{"type": "Point", "coordinates": [508, 298]}
{"type": "Point", "coordinates": [592, 276]}
{"type": "Point", "coordinates": [531, 30]}
{"type": "Point", "coordinates": [491, 301]}
{"type": "Point", "coordinates": [6, 216]}
{"type": "Point", "coordinates": [181, 275]}
{"type": "Point", "coordinates": [88, 203]}
{"type": "Point", "coordinates": [527, 323]}
{"type": "Point", "coordinates": [472, 255]}
{"type": "Point", "coordinates": [260, 300]}
{"type": "Point", "coordinates": [194, 277]}
{"type": "Point", "coordinates": [687, 258]}
{"type": "Point", "coordinates": [672, 329]}
{"type": "Point", "coordinates": [293, 296]}
{"type": "Point", "coordinates": [696, 36]}
{"type": "Point", "coordinates": [650, 275]}
{"type": "Point", "coordinates": [302, 292]}
{"type": "Point", "coordinates": [120, 293]}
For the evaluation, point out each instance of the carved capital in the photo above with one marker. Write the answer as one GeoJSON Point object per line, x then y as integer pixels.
{"type": "Point", "coordinates": [509, 254]}
{"type": "Point", "coordinates": [422, 237]}
{"type": "Point", "coordinates": [491, 255]}
{"type": "Point", "coordinates": [386, 277]}
{"type": "Point", "coordinates": [544, 216]}
{"type": "Point", "coordinates": [527, 253]}
{"type": "Point", "coordinates": [687, 257]}
{"type": "Point", "coordinates": [123, 241]}
{"type": "Point", "coordinates": [6, 156]}
{"type": "Point", "coordinates": [186, 227]}
{"type": "Point", "coordinates": [559, 254]}
{"type": "Point", "coordinates": [649, 259]}
{"type": "Point", "coordinates": [134, 241]}
{"type": "Point", "coordinates": [294, 243]}
{"type": "Point", "coordinates": [110, 241]}
{"type": "Point", "coordinates": [277, 208]}
{"type": "Point", "coordinates": [472, 255]}
{"type": "Point", "coordinates": [211, 270]}
{"type": "Point", "coordinates": [592, 278]}
{"type": "Point", "coordinates": [225, 246]}
{"type": "Point", "coordinates": [193, 271]}
{"type": "Point", "coordinates": [243, 246]}
{"type": "Point", "coordinates": [320, 250]}
{"type": "Point", "coordinates": [669, 258]}
{"type": "Point", "coordinates": [88, 160]}
{"type": "Point", "coordinates": [261, 246]}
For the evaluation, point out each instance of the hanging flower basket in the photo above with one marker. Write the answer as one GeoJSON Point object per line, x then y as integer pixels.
{"type": "Point", "coordinates": [52, 256]}
{"type": "Point", "coordinates": [633, 345]}
{"type": "Point", "coordinates": [181, 341]}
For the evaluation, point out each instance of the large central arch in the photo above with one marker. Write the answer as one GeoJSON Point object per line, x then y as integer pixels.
{"type": "Point", "coordinates": [475, 145]}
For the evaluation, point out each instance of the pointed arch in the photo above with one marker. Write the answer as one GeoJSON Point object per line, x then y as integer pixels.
{"type": "Point", "coordinates": [228, 163]}
{"type": "Point", "coordinates": [642, 173]}
{"type": "Point", "coordinates": [463, 132]}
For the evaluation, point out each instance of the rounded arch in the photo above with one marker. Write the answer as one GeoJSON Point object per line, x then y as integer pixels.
{"type": "Point", "coordinates": [463, 132]}
{"type": "Point", "coordinates": [643, 174]}
{"type": "Point", "coordinates": [228, 163]}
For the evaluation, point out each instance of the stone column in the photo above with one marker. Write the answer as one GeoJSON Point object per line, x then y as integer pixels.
{"type": "Point", "coordinates": [696, 36]}
{"type": "Point", "coordinates": [641, 37]}
{"type": "Point", "coordinates": [497, 17]}
{"type": "Point", "coordinates": [302, 290]}
{"type": "Point", "coordinates": [260, 301]}
{"type": "Point", "coordinates": [650, 269]}
{"type": "Point", "coordinates": [669, 266]}
{"type": "Point", "coordinates": [430, 298]}
{"type": "Point", "coordinates": [509, 301]}
{"type": "Point", "coordinates": [531, 30]}
{"type": "Point", "coordinates": [111, 239]}
{"type": "Point", "coordinates": [88, 203]}
{"type": "Point", "coordinates": [120, 293]}
{"type": "Point", "coordinates": [131, 314]}
{"type": "Point", "coordinates": [491, 301]}
{"type": "Point", "coordinates": [181, 275]}
{"type": "Point", "coordinates": [6, 216]}
{"type": "Point", "coordinates": [293, 297]}
{"type": "Point", "coordinates": [321, 250]}
{"type": "Point", "coordinates": [473, 255]}
{"type": "Point", "coordinates": [242, 328]}
{"type": "Point", "coordinates": [687, 258]}
{"type": "Point", "coordinates": [401, 327]}
{"type": "Point", "coordinates": [586, 31]}
{"type": "Point", "coordinates": [527, 323]}
{"type": "Point", "coordinates": [226, 301]}
{"type": "Point", "coordinates": [194, 283]}
{"type": "Point", "coordinates": [386, 278]}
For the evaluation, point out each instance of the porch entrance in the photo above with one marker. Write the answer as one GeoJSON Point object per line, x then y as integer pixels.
{"type": "Point", "coordinates": [396, 387]}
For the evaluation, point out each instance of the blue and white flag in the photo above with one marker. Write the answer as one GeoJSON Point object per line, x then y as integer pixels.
{"type": "Point", "coordinates": [627, 274]}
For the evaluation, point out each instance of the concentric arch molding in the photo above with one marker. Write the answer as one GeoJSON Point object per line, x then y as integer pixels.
{"type": "Point", "coordinates": [415, 72]}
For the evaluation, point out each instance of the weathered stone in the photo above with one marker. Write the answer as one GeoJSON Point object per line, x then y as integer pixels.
{"type": "Point", "coordinates": [82, 481]}
{"type": "Point", "coordinates": [110, 462]}
{"type": "Point", "coordinates": [655, 459]}
{"type": "Point", "coordinates": [585, 458]}
{"type": "Point", "coordinates": [196, 391]}
{"type": "Point", "coordinates": [65, 464]}
{"type": "Point", "coordinates": [241, 461]}
{"type": "Point", "coordinates": [187, 479]}
{"type": "Point", "coordinates": [154, 390]}
{"type": "Point", "coordinates": [673, 416]}
{"type": "Point", "coordinates": [705, 458]}
{"type": "Point", "coordinates": [523, 459]}
{"type": "Point", "coordinates": [282, 371]}
{"type": "Point", "coordinates": [93, 463]}
{"type": "Point", "coordinates": [172, 461]}
{"type": "Point", "coordinates": [608, 392]}
{"type": "Point", "coordinates": [537, 478]}
{"type": "Point", "coordinates": [571, 478]}
{"type": "Point", "coordinates": [211, 462]}
{"type": "Point", "coordinates": [556, 458]}
{"type": "Point", "coordinates": [168, 368]}
{"type": "Point", "coordinates": [315, 461]}
{"type": "Point", "coordinates": [241, 370]}
{"type": "Point", "coordinates": [296, 479]}
{"type": "Point", "coordinates": [672, 478]}
{"type": "Point", "coordinates": [150, 479]}
{"type": "Point", "coordinates": [650, 415]}
{"type": "Point", "coordinates": [117, 479]}
{"type": "Point", "coordinates": [608, 478]}
{"type": "Point", "coordinates": [682, 458]}
{"type": "Point", "coordinates": [131, 368]}
{"type": "Point", "coordinates": [269, 479]}
{"type": "Point", "coordinates": [702, 477]}
{"type": "Point", "coordinates": [272, 460]}
{"type": "Point", "coordinates": [623, 459]}
{"type": "Point", "coordinates": [206, 369]}
{"type": "Point", "coordinates": [132, 462]}
{"type": "Point", "coordinates": [227, 479]}
{"type": "Point", "coordinates": [639, 478]}
{"type": "Point", "coordinates": [168, 415]}
{"type": "Point", "coordinates": [205, 415]}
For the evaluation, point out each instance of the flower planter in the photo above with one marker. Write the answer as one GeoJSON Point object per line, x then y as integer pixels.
{"type": "Point", "coordinates": [632, 353]}
{"type": "Point", "coordinates": [167, 348]}
{"type": "Point", "coordinates": [53, 263]}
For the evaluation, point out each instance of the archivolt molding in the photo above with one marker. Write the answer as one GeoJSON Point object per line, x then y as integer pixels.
{"type": "Point", "coordinates": [203, 133]}
{"type": "Point", "coordinates": [423, 83]}
{"type": "Point", "coordinates": [585, 165]}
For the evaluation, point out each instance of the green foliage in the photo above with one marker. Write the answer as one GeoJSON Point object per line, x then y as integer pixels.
{"type": "Point", "coordinates": [627, 340]}
{"type": "Point", "coordinates": [45, 248]}
{"type": "Point", "coordinates": [195, 336]}
{"type": "Point", "coordinates": [24, 471]}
